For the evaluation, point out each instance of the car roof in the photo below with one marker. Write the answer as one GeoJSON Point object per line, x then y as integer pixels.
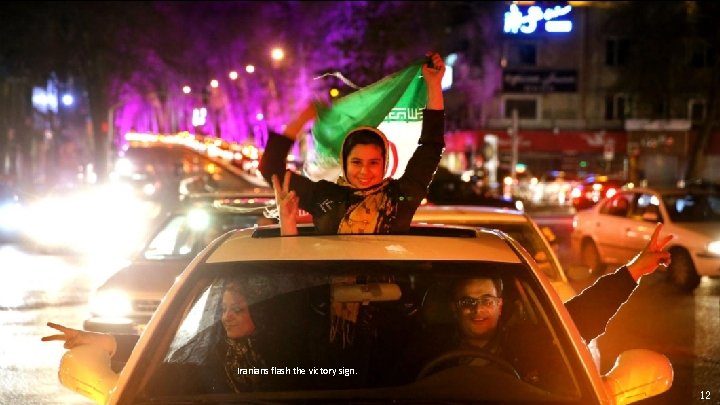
{"type": "Point", "coordinates": [468, 213]}
{"type": "Point", "coordinates": [669, 190]}
{"type": "Point", "coordinates": [424, 242]}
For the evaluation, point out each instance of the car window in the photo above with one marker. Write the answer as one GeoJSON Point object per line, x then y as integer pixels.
{"type": "Point", "coordinates": [693, 207]}
{"type": "Point", "coordinates": [618, 205]}
{"type": "Point", "coordinates": [646, 207]}
{"type": "Point", "coordinates": [338, 330]}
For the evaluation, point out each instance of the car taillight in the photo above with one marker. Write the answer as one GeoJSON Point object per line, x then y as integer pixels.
{"type": "Point", "coordinates": [610, 192]}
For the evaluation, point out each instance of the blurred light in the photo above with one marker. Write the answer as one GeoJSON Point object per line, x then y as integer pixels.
{"type": "Point", "coordinates": [334, 92]}
{"type": "Point", "coordinates": [611, 192]}
{"type": "Point", "coordinates": [199, 116]}
{"type": "Point", "coordinates": [233, 75]}
{"type": "Point", "coordinates": [259, 116]}
{"type": "Point", "coordinates": [110, 304]}
{"type": "Point", "coordinates": [277, 54]}
{"type": "Point", "coordinates": [198, 219]}
{"type": "Point", "coordinates": [214, 83]}
{"type": "Point", "coordinates": [714, 247]}
{"type": "Point", "coordinates": [520, 168]}
{"type": "Point", "coordinates": [124, 167]}
{"type": "Point", "coordinates": [149, 189]}
{"type": "Point", "coordinates": [250, 68]}
{"type": "Point", "coordinates": [68, 100]}
{"type": "Point", "coordinates": [583, 163]}
{"type": "Point", "coordinates": [519, 205]}
{"type": "Point", "coordinates": [186, 89]}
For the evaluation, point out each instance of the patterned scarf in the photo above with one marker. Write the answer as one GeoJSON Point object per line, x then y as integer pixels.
{"type": "Point", "coordinates": [240, 354]}
{"type": "Point", "coordinates": [373, 213]}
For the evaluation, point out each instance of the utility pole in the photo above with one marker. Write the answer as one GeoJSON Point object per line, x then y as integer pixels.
{"type": "Point", "coordinates": [513, 167]}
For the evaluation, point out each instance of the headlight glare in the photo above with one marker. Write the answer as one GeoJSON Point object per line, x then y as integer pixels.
{"type": "Point", "coordinates": [111, 304]}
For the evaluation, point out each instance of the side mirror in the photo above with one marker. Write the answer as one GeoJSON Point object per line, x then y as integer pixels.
{"type": "Point", "coordinates": [578, 272]}
{"type": "Point", "coordinates": [638, 374]}
{"type": "Point", "coordinates": [86, 370]}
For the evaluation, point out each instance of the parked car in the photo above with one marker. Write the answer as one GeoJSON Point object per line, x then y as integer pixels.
{"type": "Point", "coordinates": [592, 189]}
{"type": "Point", "coordinates": [336, 316]}
{"type": "Point", "coordinates": [613, 231]}
{"type": "Point", "coordinates": [126, 301]}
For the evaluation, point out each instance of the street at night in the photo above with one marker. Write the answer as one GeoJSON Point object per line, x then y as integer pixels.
{"type": "Point", "coordinates": [161, 163]}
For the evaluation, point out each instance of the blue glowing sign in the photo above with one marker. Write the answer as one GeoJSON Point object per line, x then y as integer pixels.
{"type": "Point", "coordinates": [555, 19]}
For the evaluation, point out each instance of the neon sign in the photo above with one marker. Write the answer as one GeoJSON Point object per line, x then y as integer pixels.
{"type": "Point", "coordinates": [536, 18]}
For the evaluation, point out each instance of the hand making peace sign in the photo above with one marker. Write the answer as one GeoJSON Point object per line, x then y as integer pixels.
{"type": "Point", "coordinates": [652, 256]}
{"type": "Point", "coordinates": [287, 202]}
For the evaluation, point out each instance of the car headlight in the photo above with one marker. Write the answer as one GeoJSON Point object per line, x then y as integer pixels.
{"type": "Point", "coordinates": [714, 247]}
{"type": "Point", "coordinates": [111, 304]}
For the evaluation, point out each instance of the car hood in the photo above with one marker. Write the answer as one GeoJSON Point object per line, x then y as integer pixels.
{"type": "Point", "coordinates": [147, 276]}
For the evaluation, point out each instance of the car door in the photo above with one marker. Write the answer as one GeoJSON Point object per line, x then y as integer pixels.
{"type": "Point", "coordinates": [641, 222]}
{"type": "Point", "coordinates": [611, 229]}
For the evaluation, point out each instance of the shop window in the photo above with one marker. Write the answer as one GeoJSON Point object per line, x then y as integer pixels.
{"type": "Point", "coordinates": [617, 51]}
{"type": "Point", "coordinates": [617, 107]}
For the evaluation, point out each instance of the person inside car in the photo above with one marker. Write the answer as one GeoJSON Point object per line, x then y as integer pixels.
{"type": "Point", "coordinates": [221, 350]}
{"type": "Point", "coordinates": [363, 200]}
{"type": "Point", "coordinates": [477, 308]}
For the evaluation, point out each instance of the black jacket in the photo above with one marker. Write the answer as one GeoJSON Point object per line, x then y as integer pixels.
{"type": "Point", "coordinates": [328, 202]}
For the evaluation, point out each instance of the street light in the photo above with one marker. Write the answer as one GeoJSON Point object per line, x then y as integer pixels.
{"type": "Point", "coordinates": [277, 54]}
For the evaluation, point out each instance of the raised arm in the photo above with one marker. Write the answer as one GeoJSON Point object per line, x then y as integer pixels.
{"type": "Point", "coordinates": [274, 158]}
{"type": "Point", "coordinates": [433, 78]}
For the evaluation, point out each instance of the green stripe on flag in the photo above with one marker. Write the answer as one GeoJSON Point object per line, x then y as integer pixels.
{"type": "Point", "coordinates": [399, 97]}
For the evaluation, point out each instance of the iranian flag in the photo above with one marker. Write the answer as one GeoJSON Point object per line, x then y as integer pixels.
{"type": "Point", "coordinates": [394, 105]}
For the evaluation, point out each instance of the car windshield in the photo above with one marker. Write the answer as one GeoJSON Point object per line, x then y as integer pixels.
{"type": "Point", "coordinates": [693, 207]}
{"type": "Point", "coordinates": [375, 330]}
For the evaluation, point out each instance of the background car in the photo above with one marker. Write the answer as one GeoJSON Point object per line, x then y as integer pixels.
{"type": "Point", "coordinates": [592, 189]}
{"type": "Point", "coordinates": [125, 302]}
{"type": "Point", "coordinates": [339, 316]}
{"type": "Point", "coordinates": [618, 227]}
{"type": "Point", "coordinates": [12, 213]}
{"type": "Point", "coordinates": [448, 188]}
{"type": "Point", "coordinates": [537, 241]}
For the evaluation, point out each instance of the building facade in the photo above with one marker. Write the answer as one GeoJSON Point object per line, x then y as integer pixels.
{"type": "Point", "coordinates": [548, 98]}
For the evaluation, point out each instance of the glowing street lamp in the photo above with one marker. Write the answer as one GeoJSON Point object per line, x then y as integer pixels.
{"type": "Point", "coordinates": [277, 54]}
{"type": "Point", "coordinates": [250, 68]}
{"type": "Point", "coordinates": [186, 89]}
{"type": "Point", "coordinates": [214, 83]}
{"type": "Point", "coordinates": [233, 75]}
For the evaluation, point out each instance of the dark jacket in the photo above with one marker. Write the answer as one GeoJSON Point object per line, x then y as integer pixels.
{"type": "Point", "coordinates": [328, 202]}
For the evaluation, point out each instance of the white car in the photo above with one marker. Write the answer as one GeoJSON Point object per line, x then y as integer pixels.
{"type": "Point", "coordinates": [520, 227]}
{"type": "Point", "coordinates": [617, 228]}
{"type": "Point", "coordinates": [126, 301]}
{"type": "Point", "coordinates": [338, 318]}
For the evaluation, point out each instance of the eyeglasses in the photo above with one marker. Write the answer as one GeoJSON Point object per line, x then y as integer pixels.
{"type": "Point", "coordinates": [470, 303]}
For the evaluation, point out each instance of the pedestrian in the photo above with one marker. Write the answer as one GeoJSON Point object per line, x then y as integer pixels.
{"type": "Point", "coordinates": [362, 200]}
